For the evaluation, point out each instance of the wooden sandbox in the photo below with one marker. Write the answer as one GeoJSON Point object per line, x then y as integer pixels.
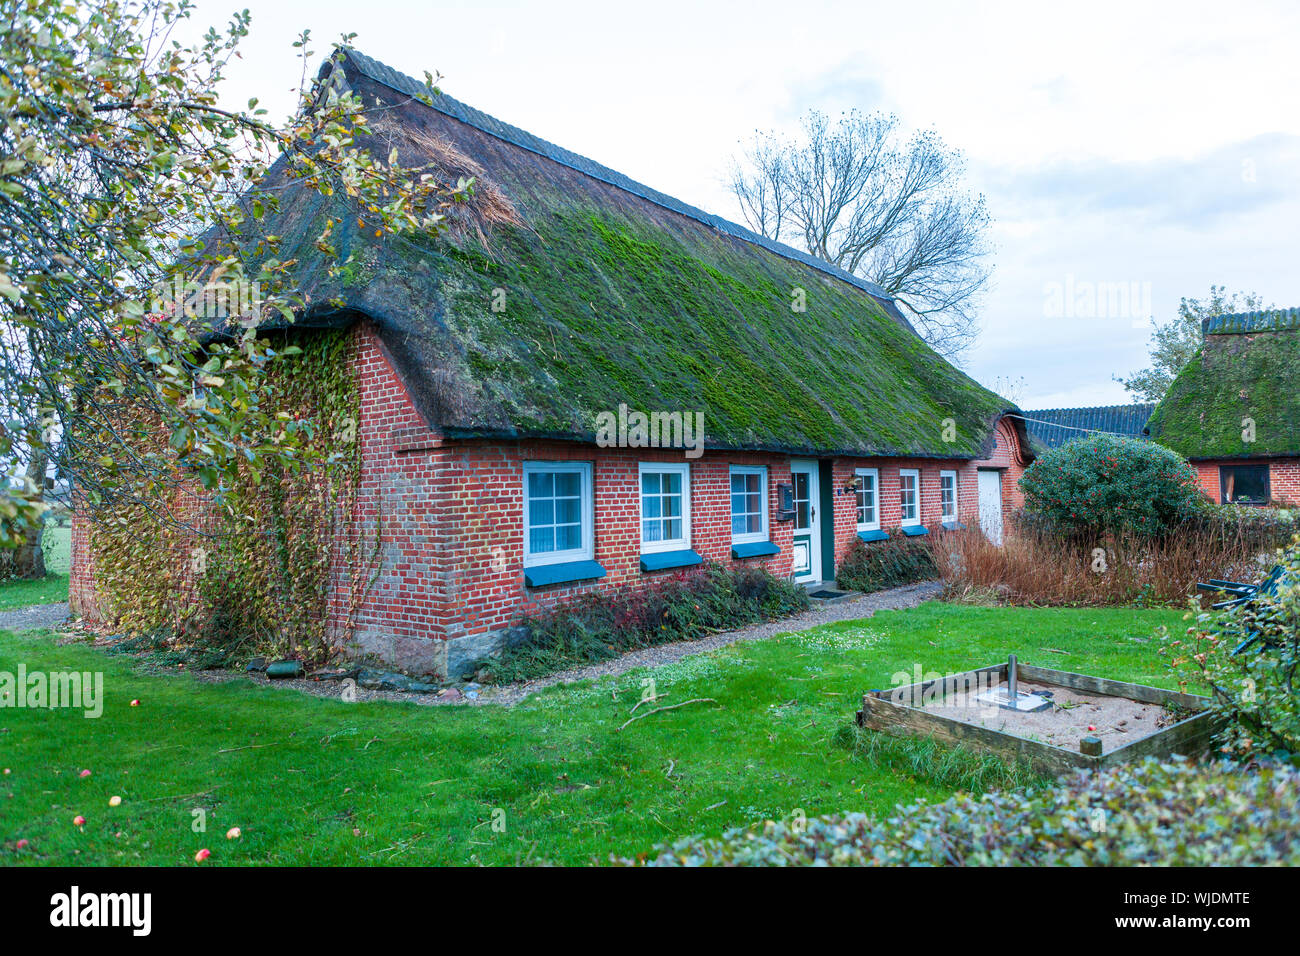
{"type": "Point", "coordinates": [1179, 723]}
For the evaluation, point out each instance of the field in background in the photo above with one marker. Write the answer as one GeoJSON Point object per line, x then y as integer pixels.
{"type": "Point", "coordinates": [54, 586]}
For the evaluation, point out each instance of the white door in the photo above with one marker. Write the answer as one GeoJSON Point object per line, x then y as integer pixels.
{"type": "Point", "coordinates": [990, 483]}
{"type": "Point", "coordinates": [807, 545]}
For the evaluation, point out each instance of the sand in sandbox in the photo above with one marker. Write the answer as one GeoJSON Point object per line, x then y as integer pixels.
{"type": "Point", "coordinates": [1118, 720]}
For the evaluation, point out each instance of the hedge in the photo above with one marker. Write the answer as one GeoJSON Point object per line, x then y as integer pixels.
{"type": "Point", "coordinates": [1148, 814]}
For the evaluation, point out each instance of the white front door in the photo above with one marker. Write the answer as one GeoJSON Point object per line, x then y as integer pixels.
{"type": "Point", "coordinates": [990, 483]}
{"type": "Point", "coordinates": [807, 546]}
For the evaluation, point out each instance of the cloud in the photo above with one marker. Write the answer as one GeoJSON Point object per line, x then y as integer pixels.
{"type": "Point", "coordinates": [1192, 193]}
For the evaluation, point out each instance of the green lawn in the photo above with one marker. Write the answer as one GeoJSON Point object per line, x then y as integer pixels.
{"type": "Point", "coordinates": [550, 779]}
{"type": "Point", "coordinates": [49, 589]}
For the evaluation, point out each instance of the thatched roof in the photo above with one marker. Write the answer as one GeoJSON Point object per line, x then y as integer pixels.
{"type": "Point", "coordinates": [1247, 368]}
{"type": "Point", "coordinates": [614, 293]}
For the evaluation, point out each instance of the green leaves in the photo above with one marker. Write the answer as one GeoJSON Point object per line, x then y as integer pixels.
{"type": "Point", "coordinates": [1108, 483]}
{"type": "Point", "coordinates": [1146, 814]}
{"type": "Point", "coordinates": [1255, 691]}
{"type": "Point", "coordinates": [114, 157]}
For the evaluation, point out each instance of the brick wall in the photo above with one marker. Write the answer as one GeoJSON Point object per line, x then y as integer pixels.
{"type": "Point", "coordinates": [1283, 477]}
{"type": "Point", "coordinates": [447, 517]}
{"type": "Point", "coordinates": [451, 519]}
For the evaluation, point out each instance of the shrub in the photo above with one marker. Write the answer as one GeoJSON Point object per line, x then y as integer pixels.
{"type": "Point", "coordinates": [1264, 529]}
{"type": "Point", "coordinates": [1107, 484]}
{"type": "Point", "coordinates": [1256, 692]}
{"type": "Point", "coordinates": [1172, 814]}
{"type": "Point", "coordinates": [1037, 565]}
{"type": "Point", "coordinates": [604, 624]}
{"type": "Point", "coordinates": [886, 564]}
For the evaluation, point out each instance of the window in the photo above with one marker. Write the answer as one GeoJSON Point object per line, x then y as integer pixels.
{"type": "Point", "coordinates": [947, 496]}
{"type": "Point", "coordinates": [868, 507]}
{"type": "Point", "coordinates": [748, 504]}
{"type": "Point", "coordinates": [665, 506]}
{"type": "Point", "coordinates": [1244, 484]}
{"type": "Point", "coordinates": [557, 512]}
{"type": "Point", "coordinates": [909, 496]}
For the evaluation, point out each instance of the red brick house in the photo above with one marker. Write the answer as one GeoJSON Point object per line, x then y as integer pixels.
{"type": "Point", "coordinates": [1234, 411]}
{"type": "Point", "coordinates": [491, 364]}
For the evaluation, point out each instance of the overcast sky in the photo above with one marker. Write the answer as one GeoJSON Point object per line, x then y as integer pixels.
{"type": "Point", "coordinates": [1153, 148]}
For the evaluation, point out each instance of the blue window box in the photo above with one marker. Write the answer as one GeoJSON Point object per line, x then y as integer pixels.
{"type": "Point", "coordinates": [876, 535]}
{"type": "Point", "coordinates": [953, 526]}
{"type": "Point", "coordinates": [542, 575]}
{"type": "Point", "coordinates": [663, 560]}
{"type": "Point", "coordinates": [756, 549]}
{"type": "Point", "coordinates": [914, 530]}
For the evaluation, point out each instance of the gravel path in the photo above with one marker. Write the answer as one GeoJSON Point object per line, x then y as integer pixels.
{"type": "Point", "coordinates": [860, 607]}
{"type": "Point", "coordinates": [38, 615]}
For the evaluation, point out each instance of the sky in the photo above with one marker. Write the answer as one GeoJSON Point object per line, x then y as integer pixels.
{"type": "Point", "coordinates": [1130, 153]}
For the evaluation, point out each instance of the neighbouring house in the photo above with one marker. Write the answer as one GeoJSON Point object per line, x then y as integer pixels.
{"type": "Point", "coordinates": [1234, 411]}
{"type": "Point", "coordinates": [502, 371]}
{"type": "Point", "coordinates": [1053, 427]}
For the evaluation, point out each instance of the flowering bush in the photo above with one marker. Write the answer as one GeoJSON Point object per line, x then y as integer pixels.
{"type": "Point", "coordinates": [1110, 484]}
{"type": "Point", "coordinates": [1172, 814]}
{"type": "Point", "coordinates": [1256, 692]}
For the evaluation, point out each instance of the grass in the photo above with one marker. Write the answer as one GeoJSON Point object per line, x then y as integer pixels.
{"type": "Point", "coordinates": [49, 589]}
{"type": "Point", "coordinates": [319, 781]}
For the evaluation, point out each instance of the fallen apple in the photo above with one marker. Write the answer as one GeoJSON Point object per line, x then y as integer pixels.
{"type": "Point", "coordinates": [78, 821]}
{"type": "Point", "coordinates": [234, 833]}
{"type": "Point", "coordinates": [114, 801]}
{"type": "Point", "coordinates": [202, 855]}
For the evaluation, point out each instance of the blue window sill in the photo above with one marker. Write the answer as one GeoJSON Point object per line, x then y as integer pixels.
{"type": "Point", "coordinates": [545, 574]}
{"type": "Point", "coordinates": [663, 560]}
{"type": "Point", "coordinates": [914, 530]}
{"type": "Point", "coordinates": [953, 526]}
{"type": "Point", "coordinates": [876, 535]}
{"type": "Point", "coordinates": [756, 549]}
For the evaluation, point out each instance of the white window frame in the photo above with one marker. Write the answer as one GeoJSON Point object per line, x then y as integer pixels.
{"type": "Point", "coordinates": [587, 551]}
{"type": "Point", "coordinates": [664, 468]}
{"type": "Point", "coordinates": [943, 515]}
{"type": "Point", "coordinates": [916, 520]}
{"type": "Point", "coordinates": [874, 475]}
{"type": "Point", "coordinates": [751, 536]}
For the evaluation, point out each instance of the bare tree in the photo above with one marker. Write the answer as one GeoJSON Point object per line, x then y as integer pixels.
{"type": "Point", "coordinates": [854, 193]}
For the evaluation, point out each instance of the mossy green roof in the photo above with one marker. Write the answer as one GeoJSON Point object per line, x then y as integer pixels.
{"type": "Point", "coordinates": [608, 297]}
{"type": "Point", "coordinates": [1247, 371]}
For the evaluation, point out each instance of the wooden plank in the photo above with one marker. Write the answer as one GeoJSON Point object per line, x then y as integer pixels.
{"type": "Point", "coordinates": [917, 695]}
{"type": "Point", "coordinates": [1191, 738]}
{"type": "Point", "coordinates": [1112, 688]}
{"type": "Point", "coordinates": [882, 715]}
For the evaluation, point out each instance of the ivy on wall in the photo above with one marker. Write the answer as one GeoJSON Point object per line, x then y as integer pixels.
{"type": "Point", "coordinates": [253, 576]}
